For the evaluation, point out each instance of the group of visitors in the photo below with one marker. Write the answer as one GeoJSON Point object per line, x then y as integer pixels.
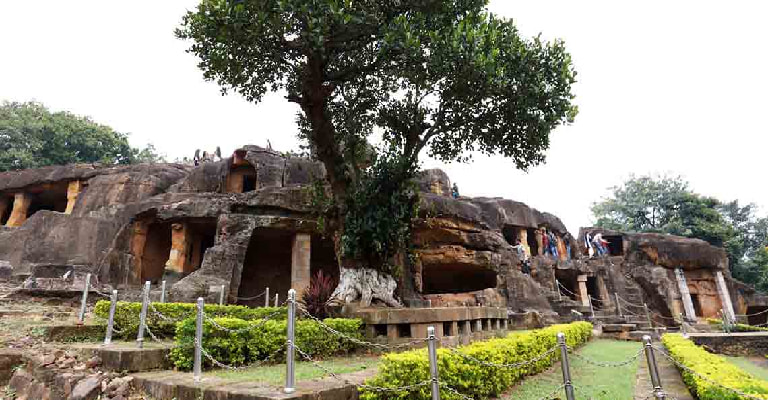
{"type": "Point", "coordinates": [554, 245]}
{"type": "Point", "coordinates": [596, 245]}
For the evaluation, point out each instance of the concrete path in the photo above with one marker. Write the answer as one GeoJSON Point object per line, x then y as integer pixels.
{"type": "Point", "coordinates": [671, 381]}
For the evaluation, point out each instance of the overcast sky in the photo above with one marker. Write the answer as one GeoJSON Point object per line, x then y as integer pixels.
{"type": "Point", "coordinates": [663, 86]}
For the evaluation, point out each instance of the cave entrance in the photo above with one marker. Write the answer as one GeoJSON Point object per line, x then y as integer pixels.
{"type": "Point", "coordinates": [456, 278]}
{"type": "Point", "coordinates": [532, 243]}
{"type": "Point", "coordinates": [241, 179]}
{"type": "Point", "coordinates": [615, 245]}
{"type": "Point", "coordinates": [323, 258]}
{"type": "Point", "coordinates": [594, 290]}
{"type": "Point", "coordinates": [697, 305]}
{"type": "Point", "coordinates": [48, 197]}
{"type": "Point", "coordinates": [569, 285]}
{"type": "Point", "coordinates": [155, 251]}
{"type": "Point", "coordinates": [202, 236]}
{"type": "Point", "coordinates": [267, 265]}
{"type": "Point", "coordinates": [6, 208]}
{"type": "Point", "coordinates": [761, 318]}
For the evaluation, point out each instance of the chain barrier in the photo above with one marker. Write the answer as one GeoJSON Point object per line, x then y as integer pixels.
{"type": "Point", "coordinates": [358, 341]}
{"type": "Point", "coordinates": [100, 293]}
{"type": "Point", "coordinates": [606, 364]}
{"type": "Point", "coordinates": [666, 355]}
{"type": "Point", "coordinates": [251, 298]}
{"type": "Point", "coordinates": [151, 335]}
{"type": "Point", "coordinates": [160, 315]}
{"type": "Point", "coordinates": [566, 289]}
{"type": "Point", "coordinates": [753, 315]}
{"type": "Point", "coordinates": [336, 376]}
{"type": "Point", "coordinates": [629, 303]}
{"type": "Point", "coordinates": [507, 366]}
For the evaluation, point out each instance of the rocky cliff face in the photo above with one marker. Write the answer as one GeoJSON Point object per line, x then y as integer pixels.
{"type": "Point", "coordinates": [242, 222]}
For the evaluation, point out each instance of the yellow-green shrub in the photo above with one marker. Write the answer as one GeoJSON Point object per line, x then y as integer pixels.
{"type": "Point", "coordinates": [469, 377]}
{"type": "Point", "coordinates": [127, 315]}
{"type": "Point", "coordinates": [256, 340]}
{"type": "Point", "coordinates": [737, 327]}
{"type": "Point", "coordinates": [715, 368]}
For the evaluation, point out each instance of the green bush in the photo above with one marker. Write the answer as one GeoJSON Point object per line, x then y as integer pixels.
{"type": "Point", "coordinates": [469, 377]}
{"type": "Point", "coordinates": [127, 315]}
{"type": "Point", "coordinates": [257, 340]}
{"type": "Point", "coordinates": [715, 368]}
{"type": "Point", "coordinates": [736, 327]}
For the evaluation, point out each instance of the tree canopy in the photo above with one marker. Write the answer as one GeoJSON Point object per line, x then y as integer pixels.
{"type": "Point", "coordinates": [445, 76]}
{"type": "Point", "coordinates": [31, 136]}
{"type": "Point", "coordinates": [667, 205]}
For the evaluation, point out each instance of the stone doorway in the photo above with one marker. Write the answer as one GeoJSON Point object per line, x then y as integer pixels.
{"type": "Point", "coordinates": [267, 264]}
{"type": "Point", "coordinates": [761, 318]}
{"type": "Point", "coordinates": [615, 245]}
{"type": "Point", "coordinates": [6, 207]}
{"type": "Point", "coordinates": [323, 258]}
{"type": "Point", "coordinates": [153, 253]}
{"type": "Point", "coordinates": [570, 285]}
{"type": "Point", "coordinates": [533, 244]}
{"type": "Point", "coordinates": [241, 179]}
{"type": "Point", "coordinates": [594, 290]}
{"type": "Point", "coordinates": [49, 198]}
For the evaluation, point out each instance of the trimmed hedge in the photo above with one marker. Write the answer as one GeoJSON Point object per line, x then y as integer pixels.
{"type": "Point", "coordinates": [715, 368]}
{"type": "Point", "coordinates": [469, 377]}
{"type": "Point", "coordinates": [250, 345]}
{"type": "Point", "coordinates": [737, 327]}
{"type": "Point", "coordinates": [127, 315]}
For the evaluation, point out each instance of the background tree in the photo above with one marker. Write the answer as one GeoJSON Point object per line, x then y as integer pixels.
{"type": "Point", "coordinates": [31, 136]}
{"type": "Point", "coordinates": [667, 205]}
{"type": "Point", "coordinates": [446, 76]}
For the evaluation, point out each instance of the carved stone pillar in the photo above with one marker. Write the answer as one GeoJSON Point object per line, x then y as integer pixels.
{"type": "Point", "coordinates": [685, 294]}
{"type": "Point", "coordinates": [583, 293]}
{"type": "Point", "coordinates": [177, 259]}
{"type": "Point", "coordinates": [73, 190]}
{"type": "Point", "coordinates": [138, 241]}
{"type": "Point", "coordinates": [539, 242]}
{"type": "Point", "coordinates": [21, 205]}
{"type": "Point", "coordinates": [522, 234]}
{"type": "Point", "coordinates": [300, 262]}
{"type": "Point", "coordinates": [725, 296]}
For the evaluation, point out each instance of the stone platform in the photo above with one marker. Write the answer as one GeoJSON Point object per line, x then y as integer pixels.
{"type": "Point", "coordinates": [733, 344]}
{"type": "Point", "coordinates": [181, 386]}
{"type": "Point", "coordinates": [126, 356]}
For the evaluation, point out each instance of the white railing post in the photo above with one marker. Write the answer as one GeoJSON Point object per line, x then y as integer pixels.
{"type": "Point", "coordinates": [111, 321]}
{"type": "Point", "coordinates": [266, 297]}
{"type": "Point", "coordinates": [84, 301]}
{"type": "Point", "coordinates": [162, 292]}
{"type": "Point", "coordinates": [143, 315]}
{"type": "Point", "coordinates": [431, 346]}
{"type": "Point", "coordinates": [198, 362]}
{"type": "Point", "coordinates": [290, 383]}
{"type": "Point", "coordinates": [221, 296]}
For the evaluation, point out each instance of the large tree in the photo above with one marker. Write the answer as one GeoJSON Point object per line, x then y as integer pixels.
{"type": "Point", "coordinates": [668, 205]}
{"type": "Point", "coordinates": [31, 136]}
{"type": "Point", "coordinates": [442, 75]}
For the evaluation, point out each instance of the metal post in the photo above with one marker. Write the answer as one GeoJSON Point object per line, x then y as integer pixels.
{"type": "Point", "coordinates": [290, 384]}
{"type": "Point", "coordinates": [433, 362]}
{"type": "Point", "coordinates": [221, 296]}
{"type": "Point", "coordinates": [618, 305]}
{"type": "Point", "coordinates": [566, 367]}
{"type": "Point", "coordinates": [658, 392]}
{"type": "Point", "coordinates": [143, 315]}
{"type": "Point", "coordinates": [162, 292]}
{"type": "Point", "coordinates": [682, 325]}
{"type": "Point", "coordinates": [266, 297]}
{"type": "Point", "coordinates": [84, 302]}
{"type": "Point", "coordinates": [591, 307]}
{"type": "Point", "coordinates": [648, 315]}
{"type": "Point", "coordinates": [111, 321]}
{"type": "Point", "coordinates": [557, 286]}
{"type": "Point", "coordinates": [198, 365]}
{"type": "Point", "coordinates": [277, 296]}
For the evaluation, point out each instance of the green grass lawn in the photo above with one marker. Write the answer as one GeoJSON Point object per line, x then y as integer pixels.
{"type": "Point", "coordinates": [275, 374]}
{"type": "Point", "coordinates": [748, 366]}
{"type": "Point", "coordinates": [598, 383]}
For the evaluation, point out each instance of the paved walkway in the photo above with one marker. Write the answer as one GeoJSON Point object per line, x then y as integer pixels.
{"type": "Point", "coordinates": [671, 381]}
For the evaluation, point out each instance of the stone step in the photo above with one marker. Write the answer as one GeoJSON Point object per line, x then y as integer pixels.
{"type": "Point", "coordinates": [619, 327]}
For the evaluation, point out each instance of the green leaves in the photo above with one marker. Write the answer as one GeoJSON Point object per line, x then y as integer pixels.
{"type": "Point", "coordinates": [31, 137]}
